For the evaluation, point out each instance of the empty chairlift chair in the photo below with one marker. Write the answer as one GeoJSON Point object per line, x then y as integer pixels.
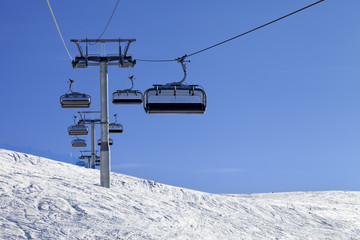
{"type": "Point", "coordinates": [81, 163]}
{"type": "Point", "coordinates": [85, 159]}
{"type": "Point", "coordinates": [97, 161]}
{"type": "Point", "coordinates": [110, 142]}
{"type": "Point", "coordinates": [175, 98]}
{"type": "Point", "coordinates": [75, 99]}
{"type": "Point", "coordinates": [78, 142]}
{"type": "Point", "coordinates": [78, 129]}
{"type": "Point", "coordinates": [115, 127]}
{"type": "Point", "coordinates": [128, 96]}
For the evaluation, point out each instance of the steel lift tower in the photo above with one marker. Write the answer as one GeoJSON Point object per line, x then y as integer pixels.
{"type": "Point", "coordinates": [92, 122]}
{"type": "Point", "coordinates": [120, 59]}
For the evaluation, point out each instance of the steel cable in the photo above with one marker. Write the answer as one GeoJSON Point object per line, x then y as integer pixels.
{"type": "Point", "coordinates": [240, 35]}
{"type": "Point", "coordinates": [62, 39]}
{"type": "Point", "coordinates": [107, 22]}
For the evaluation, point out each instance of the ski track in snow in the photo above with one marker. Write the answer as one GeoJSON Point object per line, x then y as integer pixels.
{"type": "Point", "coordinates": [46, 199]}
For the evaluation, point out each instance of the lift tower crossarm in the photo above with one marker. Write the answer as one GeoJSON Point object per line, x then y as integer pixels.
{"type": "Point", "coordinates": [120, 59]}
{"type": "Point", "coordinates": [85, 120]}
{"type": "Point", "coordinates": [103, 40]}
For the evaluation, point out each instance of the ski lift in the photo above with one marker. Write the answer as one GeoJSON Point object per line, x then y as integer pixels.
{"type": "Point", "coordinates": [81, 163]}
{"type": "Point", "coordinates": [175, 98]}
{"type": "Point", "coordinates": [110, 142]}
{"type": "Point", "coordinates": [85, 159]}
{"type": "Point", "coordinates": [78, 129]}
{"type": "Point", "coordinates": [115, 127]}
{"type": "Point", "coordinates": [97, 161]}
{"type": "Point", "coordinates": [78, 142]}
{"type": "Point", "coordinates": [81, 64]}
{"type": "Point", "coordinates": [75, 99]}
{"type": "Point", "coordinates": [128, 96]}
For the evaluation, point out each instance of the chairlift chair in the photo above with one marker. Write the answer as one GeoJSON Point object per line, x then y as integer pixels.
{"type": "Point", "coordinates": [81, 163]}
{"type": "Point", "coordinates": [115, 127]}
{"type": "Point", "coordinates": [175, 98]}
{"type": "Point", "coordinates": [78, 129]}
{"type": "Point", "coordinates": [75, 99]}
{"type": "Point", "coordinates": [81, 64]}
{"type": "Point", "coordinates": [78, 142]}
{"type": "Point", "coordinates": [97, 161]}
{"type": "Point", "coordinates": [110, 142]}
{"type": "Point", "coordinates": [128, 96]}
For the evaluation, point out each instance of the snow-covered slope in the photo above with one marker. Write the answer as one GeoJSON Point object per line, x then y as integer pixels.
{"type": "Point", "coordinates": [45, 199]}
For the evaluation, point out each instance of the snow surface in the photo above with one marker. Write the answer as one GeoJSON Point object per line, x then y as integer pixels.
{"type": "Point", "coordinates": [46, 199]}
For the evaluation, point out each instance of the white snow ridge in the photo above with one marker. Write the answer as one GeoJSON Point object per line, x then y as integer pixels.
{"type": "Point", "coordinates": [45, 199]}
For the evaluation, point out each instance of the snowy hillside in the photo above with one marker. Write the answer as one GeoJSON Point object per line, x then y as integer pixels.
{"type": "Point", "coordinates": [45, 199]}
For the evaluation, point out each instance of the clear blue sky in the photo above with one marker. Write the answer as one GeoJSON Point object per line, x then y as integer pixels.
{"type": "Point", "coordinates": [283, 102]}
